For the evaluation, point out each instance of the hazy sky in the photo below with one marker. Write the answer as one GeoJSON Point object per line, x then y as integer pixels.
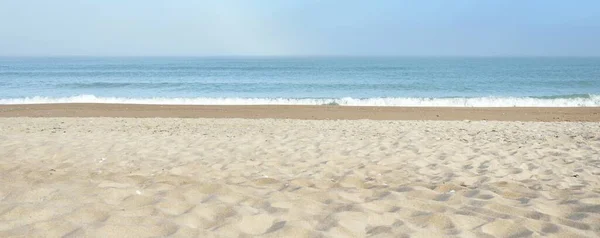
{"type": "Point", "coordinates": [300, 27]}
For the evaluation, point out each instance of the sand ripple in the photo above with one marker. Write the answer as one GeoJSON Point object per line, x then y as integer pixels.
{"type": "Point", "coordinates": [230, 177]}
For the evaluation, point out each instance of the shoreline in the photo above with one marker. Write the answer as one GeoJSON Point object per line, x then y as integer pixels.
{"type": "Point", "coordinates": [542, 114]}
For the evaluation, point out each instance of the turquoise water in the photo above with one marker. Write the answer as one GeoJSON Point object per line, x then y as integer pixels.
{"type": "Point", "coordinates": [312, 81]}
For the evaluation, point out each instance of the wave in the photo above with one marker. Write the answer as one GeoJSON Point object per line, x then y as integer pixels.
{"type": "Point", "coordinates": [584, 100]}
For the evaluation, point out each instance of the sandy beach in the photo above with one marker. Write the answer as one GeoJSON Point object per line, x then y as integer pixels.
{"type": "Point", "coordinates": [149, 177]}
{"type": "Point", "coordinates": [547, 114]}
{"type": "Point", "coordinates": [308, 119]}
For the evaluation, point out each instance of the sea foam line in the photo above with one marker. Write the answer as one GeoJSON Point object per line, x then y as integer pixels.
{"type": "Point", "coordinates": [589, 101]}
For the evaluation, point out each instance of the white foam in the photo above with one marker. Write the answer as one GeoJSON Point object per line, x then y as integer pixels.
{"type": "Point", "coordinates": [591, 101]}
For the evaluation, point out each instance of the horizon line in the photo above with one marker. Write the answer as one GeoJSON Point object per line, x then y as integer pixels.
{"type": "Point", "coordinates": [299, 56]}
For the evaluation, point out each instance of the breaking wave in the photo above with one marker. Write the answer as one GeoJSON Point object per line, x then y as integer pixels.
{"type": "Point", "coordinates": [580, 100]}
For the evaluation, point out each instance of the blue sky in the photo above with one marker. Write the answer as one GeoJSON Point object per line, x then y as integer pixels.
{"type": "Point", "coordinates": [310, 27]}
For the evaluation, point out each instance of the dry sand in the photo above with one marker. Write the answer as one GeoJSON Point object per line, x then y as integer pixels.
{"type": "Point", "coordinates": [125, 177]}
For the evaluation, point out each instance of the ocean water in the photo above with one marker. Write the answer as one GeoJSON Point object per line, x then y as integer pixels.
{"type": "Point", "coordinates": [368, 81]}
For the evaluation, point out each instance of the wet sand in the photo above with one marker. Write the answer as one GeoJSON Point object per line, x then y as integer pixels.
{"type": "Point", "coordinates": [303, 112]}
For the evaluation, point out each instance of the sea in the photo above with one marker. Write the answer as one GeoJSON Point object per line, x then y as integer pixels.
{"type": "Point", "coordinates": [343, 81]}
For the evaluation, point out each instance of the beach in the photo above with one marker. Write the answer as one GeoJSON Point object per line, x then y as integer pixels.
{"type": "Point", "coordinates": [80, 170]}
{"type": "Point", "coordinates": [299, 119]}
{"type": "Point", "coordinates": [304, 112]}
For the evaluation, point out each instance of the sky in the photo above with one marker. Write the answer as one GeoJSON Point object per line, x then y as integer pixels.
{"type": "Point", "coordinates": [299, 28]}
